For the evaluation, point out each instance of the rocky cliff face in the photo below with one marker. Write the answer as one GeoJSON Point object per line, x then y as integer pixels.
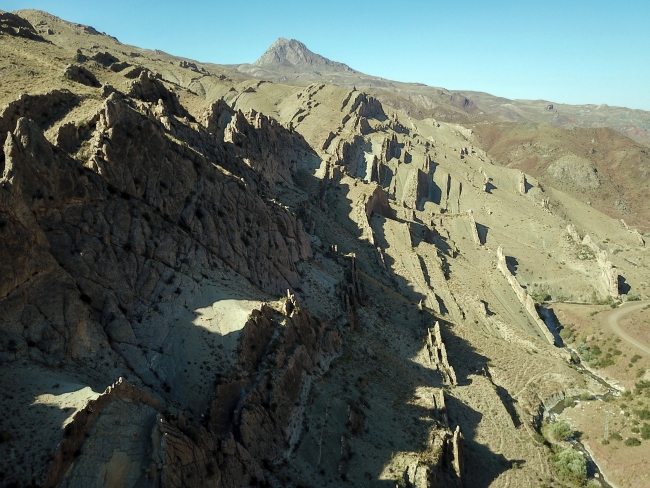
{"type": "Point", "coordinates": [150, 203]}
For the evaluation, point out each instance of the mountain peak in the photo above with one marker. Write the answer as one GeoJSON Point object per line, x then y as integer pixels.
{"type": "Point", "coordinates": [293, 53]}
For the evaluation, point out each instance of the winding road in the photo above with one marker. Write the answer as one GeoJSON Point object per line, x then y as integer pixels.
{"type": "Point", "coordinates": [620, 312]}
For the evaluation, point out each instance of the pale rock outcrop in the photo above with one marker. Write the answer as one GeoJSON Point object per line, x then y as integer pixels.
{"type": "Point", "coordinates": [149, 88]}
{"type": "Point", "coordinates": [416, 189]}
{"type": "Point", "coordinates": [119, 67]}
{"type": "Point", "coordinates": [362, 126]}
{"type": "Point", "coordinates": [366, 106]}
{"type": "Point", "coordinates": [525, 299]}
{"type": "Point", "coordinates": [81, 75]}
{"type": "Point", "coordinates": [573, 233]}
{"type": "Point", "coordinates": [522, 183]}
{"type": "Point", "coordinates": [217, 117]}
{"type": "Point", "coordinates": [638, 236]}
{"type": "Point", "coordinates": [104, 58]}
{"type": "Point", "coordinates": [473, 229]}
{"type": "Point", "coordinates": [328, 140]}
{"type": "Point", "coordinates": [79, 428]}
{"type": "Point", "coordinates": [609, 273]}
{"type": "Point", "coordinates": [443, 463]}
{"type": "Point", "coordinates": [438, 355]}
{"type": "Point", "coordinates": [135, 72]}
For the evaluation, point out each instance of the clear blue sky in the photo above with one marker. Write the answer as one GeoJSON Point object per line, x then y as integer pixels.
{"type": "Point", "coordinates": [570, 51]}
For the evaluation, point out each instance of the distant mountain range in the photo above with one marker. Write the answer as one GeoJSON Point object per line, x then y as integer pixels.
{"type": "Point", "coordinates": [290, 61]}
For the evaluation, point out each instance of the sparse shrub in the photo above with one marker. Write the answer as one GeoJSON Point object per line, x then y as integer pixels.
{"type": "Point", "coordinates": [570, 466]}
{"type": "Point", "coordinates": [631, 297]}
{"type": "Point", "coordinates": [606, 362]}
{"type": "Point", "coordinates": [632, 441]}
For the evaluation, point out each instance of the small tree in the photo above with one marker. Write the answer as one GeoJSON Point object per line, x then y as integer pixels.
{"type": "Point", "coordinates": [562, 431]}
{"type": "Point", "coordinates": [570, 466]}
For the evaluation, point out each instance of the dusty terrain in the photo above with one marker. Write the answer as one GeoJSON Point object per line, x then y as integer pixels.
{"type": "Point", "coordinates": [210, 279]}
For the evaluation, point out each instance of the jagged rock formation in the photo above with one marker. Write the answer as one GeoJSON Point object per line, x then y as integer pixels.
{"type": "Point", "coordinates": [147, 88]}
{"type": "Point", "coordinates": [525, 299]}
{"type": "Point", "coordinates": [438, 355]}
{"type": "Point", "coordinates": [259, 262]}
{"type": "Point", "coordinates": [390, 149]}
{"type": "Point", "coordinates": [42, 109]}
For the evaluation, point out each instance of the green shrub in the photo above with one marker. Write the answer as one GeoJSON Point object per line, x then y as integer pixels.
{"type": "Point", "coordinates": [632, 441]}
{"type": "Point", "coordinates": [567, 335]}
{"type": "Point", "coordinates": [568, 402]}
{"type": "Point", "coordinates": [562, 431]}
{"type": "Point", "coordinates": [643, 414]}
{"type": "Point", "coordinates": [645, 432]}
{"type": "Point", "coordinates": [570, 466]}
{"type": "Point", "coordinates": [616, 436]}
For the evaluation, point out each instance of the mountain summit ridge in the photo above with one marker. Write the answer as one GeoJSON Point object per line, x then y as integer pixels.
{"type": "Point", "coordinates": [293, 53]}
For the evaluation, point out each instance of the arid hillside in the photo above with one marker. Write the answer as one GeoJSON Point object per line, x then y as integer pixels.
{"type": "Point", "coordinates": [599, 166]}
{"type": "Point", "coordinates": [209, 279]}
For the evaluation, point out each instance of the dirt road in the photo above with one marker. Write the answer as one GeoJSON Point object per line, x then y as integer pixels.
{"type": "Point", "coordinates": [613, 318]}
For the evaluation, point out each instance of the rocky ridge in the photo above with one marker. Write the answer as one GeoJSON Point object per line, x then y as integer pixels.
{"type": "Point", "coordinates": [261, 264]}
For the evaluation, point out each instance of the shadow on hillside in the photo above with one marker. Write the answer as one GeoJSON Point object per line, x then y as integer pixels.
{"type": "Point", "coordinates": [482, 231]}
{"type": "Point", "coordinates": [623, 287]}
{"type": "Point", "coordinates": [512, 264]}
